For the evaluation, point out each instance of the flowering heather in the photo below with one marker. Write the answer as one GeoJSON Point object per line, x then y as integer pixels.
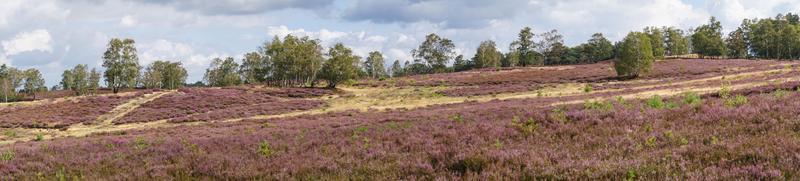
{"type": "Point", "coordinates": [203, 104]}
{"type": "Point", "coordinates": [491, 81]}
{"type": "Point", "coordinates": [496, 140]}
{"type": "Point", "coordinates": [267, 108]}
{"type": "Point", "coordinates": [286, 92]}
{"type": "Point", "coordinates": [61, 114]}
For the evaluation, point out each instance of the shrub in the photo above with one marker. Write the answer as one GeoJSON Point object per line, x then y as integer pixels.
{"type": "Point", "coordinates": [692, 99]}
{"type": "Point", "coordinates": [598, 105]}
{"type": "Point", "coordinates": [264, 149]}
{"type": "Point", "coordinates": [725, 91]}
{"type": "Point", "coordinates": [7, 156]}
{"type": "Point", "coordinates": [39, 137]}
{"type": "Point", "coordinates": [780, 93]}
{"type": "Point", "coordinates": [10, 133]}
{"type": "Point", "coordinates": [656, 102]}
{"type": "Point", "coordinates": [587, 88]}
{"type": "Point", "coordinates": [558, 114]}
{"type": "Point", "coordinates": [650, 142]}
{"type": "Point", "coordinates": [457, 118]}
{"type": "Point", "coordinates": [140, 143]}
{"type": "Point", "coordinates": [527, 127]}
{"type": "Point", "coordinates": [736, 101]}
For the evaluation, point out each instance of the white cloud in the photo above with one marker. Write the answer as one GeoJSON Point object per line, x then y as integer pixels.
{"type": "Point", "coordinates": [325, 35]}
{"type": "Point", "coordinates": [376, 38]}
{"type": "Point", "coordinates": [7, 9]}
{"type": "Point", "coordinates": [128, 21]}
{"type": "Point", "coordinates": [37, 40]}
{"type": "Point", "coordinates": [162, 49]}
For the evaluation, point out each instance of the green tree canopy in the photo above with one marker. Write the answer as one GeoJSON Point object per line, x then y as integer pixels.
{"type": "Point", "coordinates": [341, 66]}
{"type": "Point", "coordinates": [10, 79]}
{"type": "Point", "coordinates": [34, 83]}
{"type": "Point", "coordinates": [374, 65]}
{"type": "Point", "coordinates": [434, 53]}
{"type": "Point", "coordinates": [164, 75]}
{"type": "Point", "coordinates": [487, 55]}
{"type": "Point", "coordinates": [656, 36]}
{"type": "Point", "coordinates": [77, 79]}
{"type": "Point", "coordinates": [675, 41]}
{"type": "Point", "coordinates": [525, 49]}
{"type": "Point", "coordinates": [636, 55]}
{"type": "Point", "coordinates": [397, 69]}
{"type": "Point", "coordinates": [121, 63]}
{"type": "Point", "coordinates": [223, 72]}
{"type": "Point", "coordinates": [293, 61]}
{"type": "Point", "coordinates": [707, 39]}
{"type": "Point", "coordinates": [255, 68]}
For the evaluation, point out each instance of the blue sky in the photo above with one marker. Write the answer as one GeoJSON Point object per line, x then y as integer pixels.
{"type": "Point", "coordinates": [53, 35]}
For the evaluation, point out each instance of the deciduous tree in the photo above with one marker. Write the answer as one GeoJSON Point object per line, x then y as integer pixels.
{"type": "Point", "coordinates": [341, 66]}
{"type": "Point", "coordinates": [435, 52]}
{"type": "Point", "coordinates": [636, 55]}
{"type": "Point", "coordinates": [34, 83]}
{"type": "Point", "coordinates": [223, 72]}
{"type": "Point", "coordinates": [487, 55]}
{"type": "Point", "coordinates": [121, 63]}
{"type": "Point", "coordinates": [374, 65]}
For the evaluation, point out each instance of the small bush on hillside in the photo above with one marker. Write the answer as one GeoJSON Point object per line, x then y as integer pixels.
{"type": "Point", "coordinates": [598, 105]}
{"type": "Point", "coordinates": [780, 93]}
{"type": "Point", "coordinates": [692, 99]}
{"type": "Point", "coordinates": [10, 133]}
{"type": "Point", "coordinates": [725, 91]}
{"type": "Point", "coordinates": [587, 88]}
{"type": "Point", "coordinates": [656, 102]}
{"type": "Point", "coordinates": [650, 142]}
{"type": "Point", "coordinates": [558, 114]}
{"type": "Point", "coordinates": [7, 156]}
{"type": "Point", "coordinates": [264, 150]}
{"type": "Point", "coordinates": [527, 127]}
{"type": "Point", "coordinates": [736, 101]}
{"type": "Point", "coordinates": [39, 137]}
{"type": "Point", "coordinates": [457, 118]}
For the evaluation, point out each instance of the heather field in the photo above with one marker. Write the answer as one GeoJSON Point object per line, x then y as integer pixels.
{"type": "Point", "coordinates": [689, 119]}
{"type": "Point", "coordinates": [506, 80]}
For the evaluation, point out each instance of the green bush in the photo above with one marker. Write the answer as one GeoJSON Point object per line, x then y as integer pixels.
{"type": "Point", "coordinates": [558, 114]}
{"type": "Point", "coordinates": [780, 93]}
{"type": "Point", "coordinates": [736, 101]}
{"type": "Point", "coordinates": [587, 88]}
{"type": "Point", "coordinates": [7, 156]}
{"type": "Point", "coordinates": [527, 127]}
{"type": "Point", "coordinates": [39, 137]}
{"type": "Point", "coordinates": [598, 105]}
{"type": "Point", "coordinates": [264, 149]}
{"type": "Point", "coordinates": [692, 99]}
{"type": "Point", "coordinates": [656, 102]}
{"type": "Point", "coordinates": [650, 142]}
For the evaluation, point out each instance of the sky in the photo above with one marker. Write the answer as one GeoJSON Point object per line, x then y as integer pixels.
{"type": "Point", "coordinates": [54, 35]}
